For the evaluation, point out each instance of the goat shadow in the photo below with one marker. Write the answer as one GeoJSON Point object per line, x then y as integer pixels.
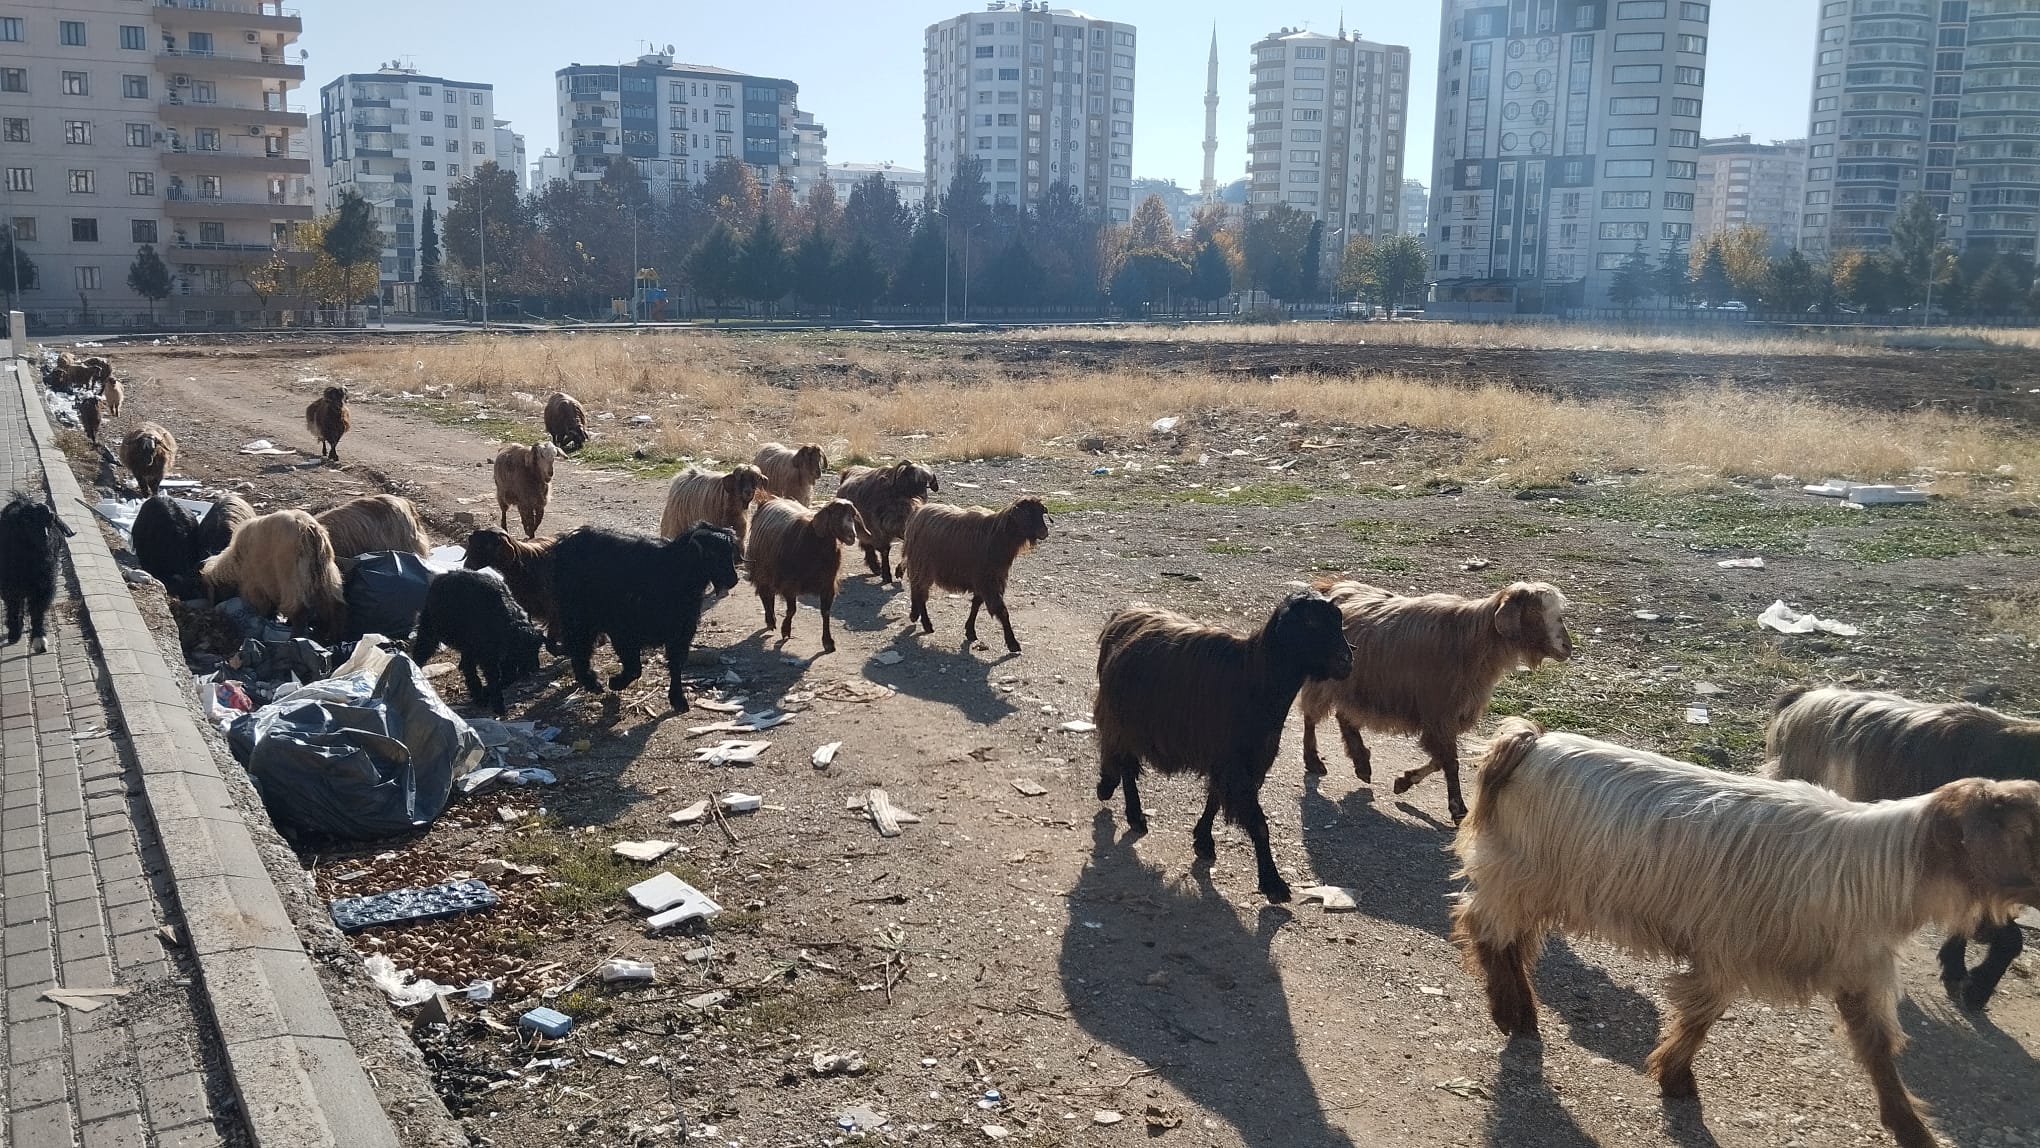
{"type": "Point", "coordinates": [1976, 1076]}
{"type": "Point", "coordinates": [966, 685]}
{"type": "Point", "coordinates": [1525, 1109]}
{"type": "Point", "coordinates": [1219, 1029]}
{"type": "Point", "coordinates": [860, 602]}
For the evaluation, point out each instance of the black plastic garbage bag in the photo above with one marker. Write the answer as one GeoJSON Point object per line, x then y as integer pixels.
{"type": "Point", "coordinates": [353, 761]}
{"type": "Point", "coordinates": [273, 662]}
{"type": "Point", "coordinates": [385, 590]}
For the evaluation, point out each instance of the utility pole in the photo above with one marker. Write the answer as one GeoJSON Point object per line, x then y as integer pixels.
{"type": "Point", "coordinates": [482, 245]}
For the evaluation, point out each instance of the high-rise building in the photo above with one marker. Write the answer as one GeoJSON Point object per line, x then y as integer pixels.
{"type": "Point", "coordinates": [1326, 122]}
{"type": "Point", "coordinates": [1750, 184]}
{"type": "Point", "coordinates": [1567, 141]}
{"type": "Point", "coordinates": [910, 185]}
{"type": "Point", "coordinates": [1416, 208]}
{"type": "Point", "coordinates": [401, 139]}
{"type": "Point", "coordinates": [675, 121]}
{"type": "Point", "coordinates": [1040, 96]}
{"type": "Point", "coordinates": [123, 124]}
{"type": "Point", "coordinates": [1181, 204]}
{"type": "Point", "coordinates": [811, 155]}
{"type": "Point", "coordinates": [510, 154]}
{"type": "Point", "coordinates": [1923, 97]}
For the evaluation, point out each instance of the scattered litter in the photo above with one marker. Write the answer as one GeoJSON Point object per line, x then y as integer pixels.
{"type": "Point", "coordinates": [1466, 1087]}
{"type": "Point", "coordinates": [1867, 493]}
{"type": "Point", "coordinates": [1335, 898]}
{"type": "Point", "coordinates": [481, 991]}
{"type": "Point", "coordinates": [995, 1132]}
{"type": "Point", "coordinates": [745, 723]}
{"type": "Point", "coordinates": [887, 657]}
{"type": "Point", "coordinates": [732, 752]}
{"type": "Point", "coordinates": [1697, 715]}
{"type": "Point", "coordinates": [617, 969]}
{"type": "Point", "coordinates": [171, 936]}
{"type": "Point", "coordinates": [508, 872]}
{"type": "Point", "coordinates": [1029, 787]}
{"type": "Point", "coordinates": [721, 707]}
{"type": "Point", "coordinates": [84, 1000]}
{"type": "Point", "coordinates": [1782, 618]}
{"type": "Point", "coordinates": [691, 814]}
{"type": "Point", "coordinates": [883, 813]}
{"type": "Point", "coordinates": [1106, 1116]}
{"type": "Point", "coordinates": [547, 1022]}
{"type": "Point", "coordinates": [526, 775]}
{"type": "Point", "coordinates": [661, 892]}
{"type": "Point", "coordinates": [1101, 470]}
{"type": "Point", "coordinates": [860, 690]}
{"type": "Point", "coordinates": [861, 1119]}
{"type": "Point", "coordinates": [1475, 564]}
{"type": "Point", "coordinates": [1076, 727]}
{"type": "Point", "coordinates": [1707, 689]}
{"type": "Point", "coordinates": [837, 1064]}
{"type": "Point", "coordinates": [1160, 1120]}
{"type": "Point", "coordinates": [445, 899]}
{"type": "Point", "coordinates": [1182, 576]}
{"type": "Point", "coordinates": [706, 1001]}
{"type": "Point", "coordinates": [606, 1055]}
{"type": "Point", "coordinates": [640, 420]}
{"type": "Point", "coordinates": [396, 984]}
{"type": "Point", "coordinates": [734, 802]}
{"type": "Point", "coordinates": [1431, 990]}
{"type": "Point", "coordinates": [1741, 564]}
{"type": "Point", "coordinates": [826, 754]}
{"type": "Point", "coordinates": [646, 851]}
{"type": "Point", "coordinates": [1165, 425]}
{"type": "Point", "coordinates": [261, 446]}
{"type": "Point", "coordinates": [1647, 616]}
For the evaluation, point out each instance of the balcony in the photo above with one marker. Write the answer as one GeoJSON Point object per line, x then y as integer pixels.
{"type": "Point", "coordinates": [234, 255]}
{"type": "Point", "coordinates": [263, 65]}
{"type": "Point", "coordinates": [186, 205]}
{"type": "Point", "coordinates": [598, 149]}
{"type": "Point", "coordinates": [264, 16]}
{"type": "Point", "coordinates": [185, 159]}
{"type": "Point", "coordinates": [596, 121]}
{"type": "Point", "coordinates": [180, 113]}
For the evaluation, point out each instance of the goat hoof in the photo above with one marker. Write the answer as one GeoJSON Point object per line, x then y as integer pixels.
{"type": "Point", "coordinates": [828, 647]}
{"type": "Point", "coordinates": [1277, 891]}
{"type": "Point", "coordinates": [678, 701]}
{"type": "Point", "coordinates": [1975, 996]}
{"type": "Point", "coordinates": [42, 646]}
{"type": "Point", "coordinates": [1458, 812]}
{"type": "Point", "coordinates": [1314, 766]}
{"type": "Point", "coordinates": [1205, 849]}
{"type": "Point", "coordinates": [1361, 771]}
{"type": "Point", "coordinates": [1405, 783]}
{"type": "Point", "coordinates": [1105, 790]}
{"type": "Point", "coordinates": [1679, 1085]}
{"type": "Point", "coordinates": [1012, 647]}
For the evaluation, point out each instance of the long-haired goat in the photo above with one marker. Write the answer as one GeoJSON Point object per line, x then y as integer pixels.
{"type": "Point", "coordinates": [524, 480]}
{"type": "Point", "coordinates": [725, 500]}
{"type": "Point", "coordinates": [375, 522]}
{"type": "Point", "coordinates": [230, 512]}
{"type": "Point", "coordinates": [1778, 890]}
{"type": "Point", "coordinates": [795, 551]}
{"type": "Point", "coordinates": [791, 472]}
{"type": "Point", "coordinates": [327, 419]}
{"type": "Point", "coordinates": [473, 614]}
{"type": "Point", "coordinates": [148, 451]}
{"type": "Point", "coordinates": [165, 537]}
{"type": "Point", "coordinates": [969, 549]}
{"type": "Point", "coordinates": [1427, 665]}
{"type": "Point", "coordinates": [639, 591]}
{"type": "Point", "coordinates": [1192, 698]}
{"type": "Point", "coordinates": [526, 567]}
{"type": "Point", "coordinates": [886, 497]}
{"type": "Point", "coordinates": [282, 562]}
{"type": "Point", "coordinates": [1870, 746]}
{"type": "Point", "coordinates": [112, 394]}
{"type": "Point", "coordinates": [566, 422]}
{"type": "Point", "coordinates": [88, 416]}
{"type": "Point", "coordinates": [28, 566]}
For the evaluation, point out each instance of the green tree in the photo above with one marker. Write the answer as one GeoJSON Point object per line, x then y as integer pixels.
{"type": "Point", "coordinates": [712, 266]}
{"type": "Point", "coordinates": [1356, 271]}
{"type": "Point", "coordinates": [15, 266]}
{"type": "Point", "coordinates": [1151, 228]}
{"type": "Point", "coordinates": [1996, 291]}
{"type": "Point", "coordinates": [1915, 248]}
{"type": "Point", "coordinates": [1310, 272]}
{"type": "Point", "coordinates": [1712, 279]}
{"type": "Point", "coordinates": [1211, 274]}
{"type": "Point", "coordinates": [353, 240]}
{"type": "Point", "coordinates": [1794, 282]}
{"type": "Point", "coordinates": [1272, 247]}
{"type": "Point", "coordinates": [859, 277]}
{"type": "Point", "coordinates": [820, 209]}
{"type": "Point", "coordinates": [1674, 276]}
{"type": "Point", "coordinates": [1014, 277]}
{"type": "Point", "coordinates": [1148, 277]}
{"type": "Point", "coordinates": [764, 270]}
{"type": "Point", "coordinates": [1400, 266]}
{"type": "Point", "coordinates": [814, 267]}
{"type": "Point", "coordinates": [731, 191]}
{"type": "Point", "coordinates": [149, 277]}
{"type": "Point", "coordinates": [1746, 258]}
{"type": "Point", "coordinates": [1632, 283]}
{"type": "Point", "coordinates": [875, 214]}
{"type": "Point", "coordinates": [485, 215]}
{"type": "Point", "coordinates": [431, 288]}
{"type": "Point", "coordinates": [920, 279]}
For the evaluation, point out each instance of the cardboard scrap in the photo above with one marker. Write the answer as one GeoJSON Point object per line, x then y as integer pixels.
{"type": "Point", "coordinates": [1335, 898]}
{"type": "Point", "coordinates": [84, 1000]}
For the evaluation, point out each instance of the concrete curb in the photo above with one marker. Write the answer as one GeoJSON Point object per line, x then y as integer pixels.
{"type": "Point", "coordinates": [299, 1080]}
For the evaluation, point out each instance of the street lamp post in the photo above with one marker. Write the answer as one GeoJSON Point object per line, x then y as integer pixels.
{"type": "Point", "coordinates": [482, 247]}
{"type": "Point", "coordinates": [1933, 248]}
{"type": "Point", "coordinates": [968, 232]}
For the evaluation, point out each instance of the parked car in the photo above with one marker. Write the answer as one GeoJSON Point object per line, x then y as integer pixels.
{"type": "Point", "coordinates": [1733, 305]}
{"type": "Point", "coordinates": [1817, 309]}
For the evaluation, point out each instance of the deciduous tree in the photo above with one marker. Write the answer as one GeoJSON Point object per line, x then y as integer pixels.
{"type": "Point", "coordinates": [149, 277]}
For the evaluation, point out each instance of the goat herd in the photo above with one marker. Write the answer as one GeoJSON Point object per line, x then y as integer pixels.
{"type": "Point", "coordinates": [1875, 816]}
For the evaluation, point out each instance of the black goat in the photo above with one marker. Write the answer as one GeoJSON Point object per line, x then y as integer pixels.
{"type": "Point", "coordinates": [638, 591]}
{"type": "Point", "coordinates": [1192, 698]}
{"type": "Point", "coordinates": [28, 565]}
{"type": "Point", "coordinates": [166, 545]}
{"type": "Point", "coordinates": [473, 614]}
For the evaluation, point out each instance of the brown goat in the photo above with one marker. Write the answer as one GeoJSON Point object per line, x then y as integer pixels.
{"type": "Point", "coordinates": [969, 549]}
{"type": "Point", "coordinates": [526, 567]}
{"type": "Point", "coordinates": [113, 395]}
{"type": "Point", "coordinates": [215, 532]}
{"type": "Point", "coordinates": [375, 522]}
{"type": "Point", "coordinates": [566, 421]}
{"type": "Point", "coordinates": [1427, 665]}
{"type": "Point", "coordinates": [327, 419]}
{"type": "Point", "coordinates": [791, 472]}
{"type": "Point", "coordinates": [148, 451]}
{"type": "Point", "coordinates": [795, 551]}
{"type": "Point", "coordinates": [88, 416]}
{"type": "Point", "coordinates": [724, 500]}
{"type": "Point", "coordinates": [68, 374]}
{"type": "Point", "coordinates": [885, 497]}
{"type": "Point", "coordinates": [282, 563]}
{"type": "Point", "coordinates": [524, 480]}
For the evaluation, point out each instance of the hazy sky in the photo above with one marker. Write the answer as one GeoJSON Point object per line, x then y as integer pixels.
{"type": "Point", "coordinates": [859, 68]}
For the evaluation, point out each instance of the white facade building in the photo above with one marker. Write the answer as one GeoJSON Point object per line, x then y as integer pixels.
{"type": "Point", "coordinates": [911, 185]}
{"type": "Point", "coordinates": [1041, 96]}
{"type": "Point", "coordinates": [547, 168]}
{"type": "Point", "coordinates": [1568, 136]}
{"type": "Point", "coordinates": [811, 154]}
{"type": "Point", "coordinates": [1744, 184]}
{"type": "Point", "coordinates": [674, 121]}
{"type": "Point", "coordinates": [1326, 119]}
{"type": "Point", "coordinates": [510, 155]}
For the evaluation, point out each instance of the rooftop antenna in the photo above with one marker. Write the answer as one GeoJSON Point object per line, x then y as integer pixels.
{"type": "Point", "coordinates": [1342, 23]}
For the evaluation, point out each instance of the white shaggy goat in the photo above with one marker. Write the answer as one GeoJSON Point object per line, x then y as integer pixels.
{"type": "Point", "coordinates": [375, 522]}
{"type": "Point", "coordinates": [791, 472]}
{"type": "Point", "coordinates": [282, 563]}
{"type": "Point", "coordinates": [1778, 890]}
{"type": "Point", "coordinates": [725, 500]}
{"type": "Point", "coordinates": [1427, 665]}
{"type": "Point", "coordinates": [1870, 746]}
{"type": "Point", "coordinates": [795, 551]}
{"type": "Point", "coordinates": [970, 550]}
{"type": "Point", "coordinates": [524, 480]}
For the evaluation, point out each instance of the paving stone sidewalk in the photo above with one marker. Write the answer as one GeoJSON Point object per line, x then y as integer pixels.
{"type": "Point", "coordinates": [82, 898]}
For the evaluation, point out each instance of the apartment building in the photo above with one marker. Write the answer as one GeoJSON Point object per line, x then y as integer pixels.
{"type": "Point", "coordinates": [1567, 139]}
{"type": "Point", "coordinates": [124, 123]}
{"type": "Point", "coordinates": [810, 154]}
{"type": "Point", "coordinates": [1928, 97]}
{"type": "Point", "coordinates": [1745, 184]}
{"type": "Point", "coordinates": [1416, 208]}
{"type": "Point", "coordinates": [675, 121]}
{"type": "Point", "coordinates": [1326, 131]}
{"type": "Point", "coordinates": [1041, 96]}
{"type": "Point", "coordinates": [401, 139]}
{"type": "Point", "coordinates": [510, 154]}
{"type": "Point", "coordinates": [911, 185]}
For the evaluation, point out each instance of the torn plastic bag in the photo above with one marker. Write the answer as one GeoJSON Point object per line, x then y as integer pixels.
{"type": "Point", "coordinates": [357, 758]}
{"type": "Point", "coordinates": [385, 590]}
{"type": "Point", "coordinates": [299, 658]}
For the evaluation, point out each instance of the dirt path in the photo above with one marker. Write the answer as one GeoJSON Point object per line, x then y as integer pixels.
{"type": "Point", "coordinates": [1048, 956]}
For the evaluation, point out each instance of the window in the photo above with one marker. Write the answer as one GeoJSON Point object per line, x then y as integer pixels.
{"type": "Point", "coordinates": [1827, 151]}
{"type": "Point", "coordinates": [453, 171]}
{"type": "Point", "coordinates": [133, 87]}
{"type": "Point", "coordinates": [475, 98]}
{"type": "Point", "coordinates": [1834, 8]}
{"type": "Point", "coordinates": [83, 181]}
{"type": "Point", "coordinates": [21, 179]}
{"type": "Point", "coordinates": [1625, 231]}
{"type": "Point", "coordinates": [453, 146]}
{"type": "Point", "coordinates": [1819, 174]}
{"type": "Point", "coordinates": [208, 139]}
{"type": "Point", "coordinates": [1640, 10]}
{"type": "Point", "coordinates": [208, 187]}
{"type": "Point", "coordinates": [1637, 73]}
{"type": "Point", "coordinates": [450, 97]}
{"type": "Point", "coordinates": [71, 33]}
{"type": "Point", "coordinates": [1628, 168]}
{"type": "Point", "coordinates": [10, 29]}
{"type": "Point", "coordinates": [141, 183]}
{"type": "Point", "coordinates": [425, 116]}
{"type": "Point", "coordinates": [1816, 198]}
{"type": "Point", "coordinates": [1640, 41]}
{"type": "Point", "coordinates": [24, 229]}
{"type": "Point", "coordinates": [1308, 95]}
{"type": "Point", "coordinates": [142, 230]}
{"type": "Point", "coordinates": [1823, 127]}
{"type": "Point", "coordinates": [428, 141]}
{"type": "Point", "coordinates": [1682, 169]}
{"type": "Point", "coordinates": [1694, 12]}
{"type": "Point", "coordinates": [134, 38]}
{"type": "Point", "coordinates": [1611, 260]}
{"type": "Point", "coordinates": [77, 131]}
{"type": "Point", "coordinates": [1682, 106]}
{"type": "Point", "coordinates": [1678, 201]}
{"type": "Point", "coordinates": [76, 84]}
{"type": "Point", "coordinates": [16, 129]}
{"type": "Point", "coordinates": [1625, 200]}
{"type": "Point", "coordinates": [1632, 137]}
{"type": "Point", "coordinates": [474, 123]}
{"type": "Point", "coordinates": [431, 165]}
{"type": "Point", "coordinates": [13, 79]}
{"type": "Point", "coordinates": [1694, 44]}
{"type": "Point", "coordinates": [1683, 137]}
{"type": "Point", "coordinates": [86, 278]}
{"type": "Point", "coordinates": [1303, 157]}
{"type": "Point", "coordinates": [1697, 77]}
{"type": "Point", "coordinates": [482, 149]}
{"type": "Point", "coordinates": [84, 231]}
{"type": "Point", "coordinates": [1824, 104]}
{"type": "Point", "coordinates": [1633, 106]}
{"type": "Point", "coordinates": [1306, 135]}
{"type": "Point", "coordinates": [1830, 57]}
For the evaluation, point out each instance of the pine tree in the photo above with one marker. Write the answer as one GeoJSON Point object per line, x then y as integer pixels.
{"type": "Point", "coordinates": [1211, 275]}
{"type": "Point", "coordinates": [149, 277]}
{"type": "Point", "coordinates": [814, 267]}
{"type": "Point", "coordinates": [712, 266]}
{"type": "Point", "coordinates": [431, 288]}
{"type": "Point", "coordinates": [858, 276]}
{"type": "Point", "coordinates": [352, 238]}
{"type": "Point", "coordinates": [764, 271]}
